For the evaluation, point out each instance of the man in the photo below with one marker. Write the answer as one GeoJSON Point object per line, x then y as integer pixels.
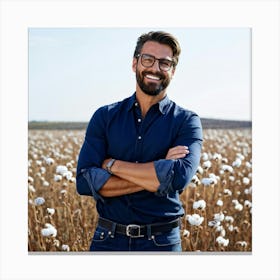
{"type": "Point", "coordinates": [139, 154]}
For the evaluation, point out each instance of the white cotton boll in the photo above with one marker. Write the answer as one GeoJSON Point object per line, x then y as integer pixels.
{"type": "Point", "coordinates": [73, 180]}
{"type": "Point", "coordinates": [43, 170]}
{"type": "Point", "coordinates": [204, 156]}
{"type": "Point", "coordinates": [46, 184]}
{"type": "Point", "coordinates": [61, 169]}
{"type": "Point", "coordinates": [247, 204]}
{"type": "Point", "coordinates": [214, 223]}
{"type": "Point", "coordinates": [186, 233]}
{"type": "Point", "coordinates": [195, 179]}
{"type": "Point", "coordinates": [206, 164]}
{"type": "Point", "coordinates": [230, 228]}
{"type": "Point", "coordinates": [246, 181]}
{"type": "Point", "coordinates": [227, 168]}
{"type": "Point", "coordinates": [57, 178]}
{"type": "Point", "coordinates": [199, 170]}
{"type": "Point", "coordinates": [227, 192]}
{"type": "Point", "coordinates": [219, 202]}
{"type": "Point", "coordinates": [208, 181]}
{"type": "Point", "coordinates": [240, 156]}
{"type": "Point", "coordinates": [222, 241]}
{"type": "Point", "coordinates": [49, 230]}
{"type": "Point", "coordinates": [68, 175]}
{"type": "Point", "coordinates": [235, 201]}
{"type": "Point", "coordinates": [63, 191]}
{"type": "Point", "coordinates": [238, 207]}
{"type": "Point", "coordinates": [195, 219]}
{"type": "Point", "coordinates": [219, 217]}
{"type": "Point", "coordinates": [65, 247]}
{"type": "Point", "coordinates": [248, 164]}
{"type": "Point", "coordinates": [219, 228]}
{"type": "Point", "coordinates": [229, 219]}
{"type": "Point", "coordinates": [217, 156]}
{"type": "Point", "coordinates": [214, 177]}
{"type": "Point", "coordinates": [237, 163]}
{"type": "Point", "coordinates": [49, 161]}
{"type": "Point", "coordinates": [242, 243]}
{"type": "Point", "coordinates": [30, 180]}
{"type": "Point", "coordinates": [200, 204]}
{"type": "Point", "coordinates": [248, 191]}
{"type": "Point", "coordinates": [38, 162]}
{"type": "Point", "coordinates": [39, 201]}
{"type": "Point", "coordinates": [50, 211]}
{"type": "Point", "coordinates": [224, 160]}
{"type": "Point", "coordinates": [231, 178]}
{"type": "Point", "coordinates": [31, 188]}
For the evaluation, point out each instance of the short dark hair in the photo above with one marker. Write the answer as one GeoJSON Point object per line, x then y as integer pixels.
{"type": "Point", "coordinates": [162, 38]}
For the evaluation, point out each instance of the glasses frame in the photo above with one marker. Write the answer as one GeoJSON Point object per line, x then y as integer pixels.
{"type": "Point", "coordinates": [158, 59]}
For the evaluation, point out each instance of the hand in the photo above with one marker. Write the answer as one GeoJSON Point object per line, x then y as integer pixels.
{"type": "Point", "coordinates": [177, 152]}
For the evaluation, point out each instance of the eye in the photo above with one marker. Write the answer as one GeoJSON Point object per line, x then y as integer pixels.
{"type": "Point", "coordinates": [148, 59]}
{"type": "Point", "coordinates": [165, 63]}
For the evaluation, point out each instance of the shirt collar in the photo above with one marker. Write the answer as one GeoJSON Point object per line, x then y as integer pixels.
{"type": "Point", "coordinates": [162, 105]}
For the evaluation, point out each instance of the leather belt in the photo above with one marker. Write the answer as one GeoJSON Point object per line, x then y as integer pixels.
{"type": "Point", "coordinates": [135, 231]}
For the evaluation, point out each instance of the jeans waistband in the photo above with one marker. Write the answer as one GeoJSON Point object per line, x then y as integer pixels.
{"type": "Point", "coordinates": [135, 231]}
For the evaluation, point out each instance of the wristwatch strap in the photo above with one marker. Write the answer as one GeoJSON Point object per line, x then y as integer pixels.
{"type": "Point", "coordinates": [109, 165]}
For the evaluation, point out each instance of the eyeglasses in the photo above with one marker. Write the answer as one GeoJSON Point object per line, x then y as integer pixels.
{"type": "Point", "coordinates": [148, 60]}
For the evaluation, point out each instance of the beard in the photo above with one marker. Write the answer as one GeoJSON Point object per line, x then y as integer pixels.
{"type": "Point", "coordinates": [150, 88]}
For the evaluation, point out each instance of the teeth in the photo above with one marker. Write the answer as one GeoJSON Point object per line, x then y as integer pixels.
{"type": "Point", "coordinates": [153, 77]}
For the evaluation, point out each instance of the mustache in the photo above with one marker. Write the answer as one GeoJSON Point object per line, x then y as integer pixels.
{"type": "Point", "coordinates": [158, 74]}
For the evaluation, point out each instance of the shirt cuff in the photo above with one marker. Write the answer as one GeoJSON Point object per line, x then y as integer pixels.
{"type": "Point", "coordinates": [165, 174]}
{"type": "Point", "coordinates": [96, 178]}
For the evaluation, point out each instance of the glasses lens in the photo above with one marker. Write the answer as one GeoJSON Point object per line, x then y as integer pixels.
{"type": "Point", "coordinates": [165, 64]}
{"type": "Point", "coordinates": [147, 60]}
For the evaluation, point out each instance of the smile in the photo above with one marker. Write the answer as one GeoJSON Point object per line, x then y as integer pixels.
{"type": "Point", "coordinates": [152, 77]}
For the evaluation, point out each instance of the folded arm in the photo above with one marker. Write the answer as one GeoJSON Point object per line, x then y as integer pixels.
{"type": "Point", "coordinates": [161, 176]}
{"type": "Point", "coordinates": [132, 177]}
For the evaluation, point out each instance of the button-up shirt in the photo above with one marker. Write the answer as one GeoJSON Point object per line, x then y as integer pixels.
{"type": "Point", "coordinates": [119, 131]}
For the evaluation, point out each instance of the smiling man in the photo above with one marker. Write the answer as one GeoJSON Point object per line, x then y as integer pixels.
{"type": "Point", "coordinates": [138, 156]}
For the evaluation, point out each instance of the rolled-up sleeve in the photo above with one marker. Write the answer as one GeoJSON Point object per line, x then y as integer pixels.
{"type": "Point", "coordinates": [174, 175]}
{"type": "Point", "coordinates": [90, 176]}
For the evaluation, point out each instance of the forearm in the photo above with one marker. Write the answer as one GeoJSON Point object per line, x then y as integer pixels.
{"type": "Point", "coordinates": [140, 174]}
{"type": "Point", "coordinates": [116, 186]}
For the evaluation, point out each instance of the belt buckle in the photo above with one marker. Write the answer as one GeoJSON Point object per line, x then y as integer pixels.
{"type": "Point", "coordinates": [133, 227]}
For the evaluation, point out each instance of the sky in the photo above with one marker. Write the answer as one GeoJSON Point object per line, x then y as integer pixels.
{"type": "Point", "coordinates": [74, 71]}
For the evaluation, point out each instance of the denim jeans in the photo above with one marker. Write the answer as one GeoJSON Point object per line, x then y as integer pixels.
{"type": "Point", "coordinates": [105, 240]}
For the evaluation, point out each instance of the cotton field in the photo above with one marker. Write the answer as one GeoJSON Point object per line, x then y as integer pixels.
{"type": "Point", "coordinates": [217, 202]}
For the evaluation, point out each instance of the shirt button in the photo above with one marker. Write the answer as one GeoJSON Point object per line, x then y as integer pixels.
{"type": "Point", "coordinates": [139, 120]}
{"type": "Point", "coordinates": [136, 104]}
{"type": "Point", "coordinates": [136, 161]}
{"type": "Point", "coordinates": [139, 137]}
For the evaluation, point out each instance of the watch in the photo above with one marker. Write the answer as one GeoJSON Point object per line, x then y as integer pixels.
{"type": "Point", "coordinates": [109, 165]}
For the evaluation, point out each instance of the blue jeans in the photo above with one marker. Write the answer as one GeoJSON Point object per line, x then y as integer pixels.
{"type": "Point", "coordinates": [104, 240]}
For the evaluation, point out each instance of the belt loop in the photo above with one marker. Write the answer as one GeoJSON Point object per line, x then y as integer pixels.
{"type": "Point", "coordinates": [149, 232]}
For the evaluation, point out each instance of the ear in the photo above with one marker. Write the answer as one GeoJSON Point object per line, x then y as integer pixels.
{"type": "Point", "coordinates": [134, 64]}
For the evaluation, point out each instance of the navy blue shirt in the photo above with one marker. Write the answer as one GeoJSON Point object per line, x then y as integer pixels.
{"type": "Point", "coordinates": [119, 131]}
